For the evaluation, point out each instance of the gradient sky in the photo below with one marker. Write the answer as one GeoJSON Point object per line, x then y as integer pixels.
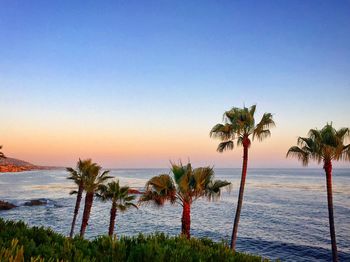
{"type": "Point", "coordinates": [139, 83]}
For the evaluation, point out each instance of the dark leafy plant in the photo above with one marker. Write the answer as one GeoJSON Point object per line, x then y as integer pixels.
{"type": "Point", "coordinates": [19, 241]}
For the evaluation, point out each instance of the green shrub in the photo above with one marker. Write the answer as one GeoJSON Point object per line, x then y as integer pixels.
{"type": "Point", "coordinates": [21, 243]}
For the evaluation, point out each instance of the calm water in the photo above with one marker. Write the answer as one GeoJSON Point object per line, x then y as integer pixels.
{"type": "Point", "coordinates": [284, 211]}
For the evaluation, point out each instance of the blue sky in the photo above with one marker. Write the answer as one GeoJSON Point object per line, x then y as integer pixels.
{"type": "Point", "coordinates": [166, 71]}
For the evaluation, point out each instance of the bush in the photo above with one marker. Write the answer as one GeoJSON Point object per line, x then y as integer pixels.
{"type": "Point", "coordinates": [19, 242]}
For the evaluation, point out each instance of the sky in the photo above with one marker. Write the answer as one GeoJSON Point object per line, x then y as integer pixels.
{"type": "Point", "coordinates": [139, 83]}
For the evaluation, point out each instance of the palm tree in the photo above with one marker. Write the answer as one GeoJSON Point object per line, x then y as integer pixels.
{"type": "Point", "coordinates": [325, 145]}
{"type": "Point", "coordinates": [121, 200]}
{"type": "Point", "coordinates": [240, 125]}
{"type": "Point", "coordinates": [91, 181]}
{"type": "Point", "coordinates": [2, 154]}
{"type": "Point", "coordinates": [187, 186]}
{"type": "Point", "coordinates": [78, 177]}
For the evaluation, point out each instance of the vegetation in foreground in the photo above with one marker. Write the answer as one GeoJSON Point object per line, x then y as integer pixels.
{"type": "Point", "coordinates": [19, 242]}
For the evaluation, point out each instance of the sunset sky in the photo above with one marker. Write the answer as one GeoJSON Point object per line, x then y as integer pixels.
{"type": "Point", "coordinates": [139, 83]}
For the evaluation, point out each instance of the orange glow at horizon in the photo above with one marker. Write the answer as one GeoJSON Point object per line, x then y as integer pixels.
{"type": "Point", "coordinates": [136, 149]}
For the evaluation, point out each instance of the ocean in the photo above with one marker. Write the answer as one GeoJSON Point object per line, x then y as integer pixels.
{"type": "Point", "coordinates": [284, 212]}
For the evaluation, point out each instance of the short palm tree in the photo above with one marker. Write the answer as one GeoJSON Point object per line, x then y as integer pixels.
{"type": "Point", "coordinates": [188, 185]}
{"type": "Point", "coordinates": [325, 145]}
{"type": "Point", "coordinates": [240, 125]}
{"type": "Point", "coordinates": [93, 179]}
{"type": "Point", "coordinates": [1, 153]}
{"type": "Point", "coordinates": [120, 197]}
{"type": "Point", "coordinates": [77, 175]}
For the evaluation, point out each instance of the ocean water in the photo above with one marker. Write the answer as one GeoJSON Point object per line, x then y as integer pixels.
{"type": "Point", "coordinates": [284, 212]}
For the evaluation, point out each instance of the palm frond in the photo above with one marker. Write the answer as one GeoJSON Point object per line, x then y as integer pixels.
{"type": "Point", "coordinates": [346, 153]}
{"type": "Point", "coordinates": [200, 179]}
{"type": "Point", "coordinates": [301, 154]}
{"type": "Point", "coordinates": [223, 146]}
{"type": "Point", "coordinates": [223, 132]}
{"type": "Point", "coordinates": [213, 189]}
{"type": "Point", "coordinates": [240, 123]}
{"type": "Point", "coordinates": [342, 133]}
{"type": "Point", "coordinates": [178, 171]}
{"type": "Point", "coordinates": [252, 110]}
{"type": "Point", "coordinates": [261, 135]}
{"type": "Point", "coordinates": [119, 195]}
{"type": "Point", "coordinates": [159, 189]}
{"type": "Point", "coordinates": [261, 130]}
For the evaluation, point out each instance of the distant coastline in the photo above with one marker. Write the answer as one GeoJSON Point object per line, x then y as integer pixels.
{"type": "Point", "coordinates": [8, 165]}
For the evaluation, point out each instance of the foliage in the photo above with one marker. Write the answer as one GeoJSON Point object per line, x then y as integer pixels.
{"type": "Point", "coordinates": [188, 185]}
{"type": "Point", "coordinates": [239, 124]}
{"type": "Point", "coordinates": [117, 194]}
{"type": "Point", "coordinates": [78, 174]}
{"type": "Point", "coordinates": [94, 178]}
{"type": "Point", "coordinates": [21, 243]}
{"type": "Point", "coordinates": [322, 145]}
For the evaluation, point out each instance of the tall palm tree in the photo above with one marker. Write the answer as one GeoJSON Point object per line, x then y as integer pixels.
{"type": "Point", "coordinates": [239, 124]}
{"type": "Point", "coordinates": [2, 154]}
{"type": "Point", "coordinates": [93, 179]}
{"type": "Point", "coordinates": [188, 185]}
{"type": "Point", "coordinates": [325, 145]}
{"type": "Point", "coordinates": [120, 197]}
{"type": "Point", "coordinates": [78, 178]}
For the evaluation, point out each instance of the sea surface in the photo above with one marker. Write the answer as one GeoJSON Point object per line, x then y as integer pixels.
{"type": "Point", "coordinates": [284, 212]}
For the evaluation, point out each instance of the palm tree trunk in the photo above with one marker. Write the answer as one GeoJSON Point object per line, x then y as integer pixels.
{"type": "Point", "coordinates": [240, 196]}
{"type": "Point", "coordinates": [89, 198]}
{"type": "Point", "coordinates": [112, 218]}
{"type": "Point", "coordinates": [186, 219]}
{"type": "Point", "coordinates": [328, 169]}
{"type": "Point", "coordinates": [76, 210]}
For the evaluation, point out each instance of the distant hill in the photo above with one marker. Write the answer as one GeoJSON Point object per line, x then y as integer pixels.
{"type": "Point", "coordinates": [15, 165]}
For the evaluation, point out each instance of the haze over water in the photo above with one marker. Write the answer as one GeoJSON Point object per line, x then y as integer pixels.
{"type": "Point", "coordinates": [284, 213]}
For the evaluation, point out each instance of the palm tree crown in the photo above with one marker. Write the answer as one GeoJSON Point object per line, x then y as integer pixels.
{"type": "Point", "coordinates": [240, 124]}
{"type": "Point", "coordinates": [325, 145]}
{"type": "Point", "coordinates": [78, 174]}
{"type": "Point", "coordinates": [94, 178]}
{"type": "Point", "coordinates": [188, 185]}
{"type": "Point", "coordinates": [120, 195]}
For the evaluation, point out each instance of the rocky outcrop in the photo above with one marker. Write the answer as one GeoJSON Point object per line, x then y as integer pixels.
{"type": "Point", "coordinates": [12, 168]}
{"type": "Point", "coordinates": [6, 205]}
{"type": "Point", "coordinates": [35, 202]}
{"type": "Point", "coordinates": [15, 165]}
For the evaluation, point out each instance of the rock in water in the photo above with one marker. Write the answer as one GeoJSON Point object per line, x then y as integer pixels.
{"type": "Point", "coordinates": [35, 202]}
{"type": "Point", "coordinates": [6, 205]}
